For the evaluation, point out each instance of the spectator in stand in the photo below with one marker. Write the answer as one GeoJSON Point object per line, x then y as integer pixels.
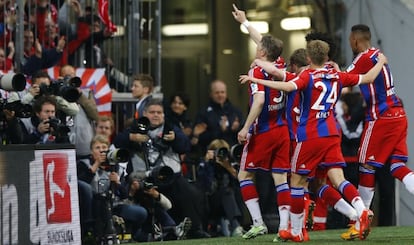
{"type": "Point", "coordinates": [94, 53]}
{"type": "Point", "coordinates": [105, 125]}
{"type": "Point", "coordinates": [176, 112]}
{"type": "Point", "coordinates": [6, 62]}
{"type": "Point", "coordinates": [219, 120]}
{"type": "Point", "coordinates": [35, 57]}
{"type": "Point", "coordinates": [7, 22]}
{"type": "Point", "coordinates": [141, 89]}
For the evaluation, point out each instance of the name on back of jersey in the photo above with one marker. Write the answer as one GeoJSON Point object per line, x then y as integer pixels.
{"type": "Point", "coordinates": [322, 114]}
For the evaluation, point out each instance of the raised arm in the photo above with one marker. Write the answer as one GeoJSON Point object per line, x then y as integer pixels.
{"type": "Point", "coordinates": [270, 68]}
{"type": "Point", "coordinates": [240, 16]}
{"type": "Point", "coordinates": [370, 76]}
{"type": "Point", "coordinates": [279, 85]}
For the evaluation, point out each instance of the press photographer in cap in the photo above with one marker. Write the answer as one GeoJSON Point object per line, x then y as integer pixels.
{"type": "Point", "coordinates": [156, 150]}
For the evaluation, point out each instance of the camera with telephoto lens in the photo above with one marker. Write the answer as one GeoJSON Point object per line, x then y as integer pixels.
{"type": "Point", "coordinates": [233, 154]}
{"type": "Point", "coordinates": [12, 82]}
{"type": "Point", "coordinates": [66, 87]}
{"type": "Point", "coordinates": [161, 176]}
{"type": "Point", "coordinates": [113, 157]}
{"type": "Point", "coordinates": [20, 110]}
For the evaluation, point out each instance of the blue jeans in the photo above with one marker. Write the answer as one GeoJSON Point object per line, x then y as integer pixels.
{"type": "Point", "coordinates": [133, 213]}
{"type": "Point", "coordinates": [85, 205]}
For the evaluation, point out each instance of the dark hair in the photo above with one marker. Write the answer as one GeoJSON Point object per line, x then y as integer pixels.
{"type": "Point", "coordinates": [323, 36]}
{"type": "Point", "coordinates": [183, 96]}
{"type": "Point", "coordinates": [40, 74]}
{"type": "Point", "coordinates": [38, 104]}
{"type": "Point", "coordinates": [92, 18]}
{"type": "Point", "coordinates": [363, 30]}
{"type": "Point", "coordinates": [273, 47]}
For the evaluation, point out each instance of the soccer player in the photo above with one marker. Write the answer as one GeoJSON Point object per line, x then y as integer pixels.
{"type": "Point", "coordinates": [297, 63]}
{"type": "Point", "coordinates": [386, 121]}
{"type": "Point", "coordinates": [266, 139]}
{"type": "Point", "coordinates": [318, 141]}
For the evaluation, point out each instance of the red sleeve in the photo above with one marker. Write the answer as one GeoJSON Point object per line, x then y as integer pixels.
{"type": "Point", "coordinates": [302, 80]}
{"type": "Point", "coordinates": [361, 65]}
{"type": "Point", "coordinates": [349, 80]}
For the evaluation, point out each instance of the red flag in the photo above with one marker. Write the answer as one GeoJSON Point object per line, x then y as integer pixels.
{"type": "Point", "coordinates": [104, 15]}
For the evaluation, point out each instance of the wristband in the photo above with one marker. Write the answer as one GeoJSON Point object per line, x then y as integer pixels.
{"type": "Point", "coordinates": [246, 23]}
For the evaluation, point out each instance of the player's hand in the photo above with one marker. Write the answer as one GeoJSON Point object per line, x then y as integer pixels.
{"type": "Point", "coordinates": [382, 58]}
{"type": "Point", "coordinates": [244, 79]}
{"type": "Point", "coordinates": [238, 15]}
{"type": "Point", "coordinates": [242, 136]}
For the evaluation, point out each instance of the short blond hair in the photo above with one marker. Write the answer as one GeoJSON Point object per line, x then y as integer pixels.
{"type": "Point", "coordinates": [99, 138]}
{"type": "Point", "coordinates": [317, 51]}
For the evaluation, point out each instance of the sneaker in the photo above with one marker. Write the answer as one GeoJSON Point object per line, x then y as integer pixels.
{"type": "Point", "coordinates": [255, 231]}
{"type": "Point", "coordinates": [279, 239]}
{"type": "Point", "coordinates": [350, 234]}
{"type": "Point", "coordinates": [283, 235]}
{"type": "Point", "coordinates": [365, 223]}
{"type": "Point", "coordinates": [297, 238]}
{"type": "Point", "coordinates": [182, 228]}
{"type": "Point", "coordinates": [238, 231]}
{"type": "Point", "coordinates": [305, 235]}
{"type": "Point", "coordinates": [309, 208]}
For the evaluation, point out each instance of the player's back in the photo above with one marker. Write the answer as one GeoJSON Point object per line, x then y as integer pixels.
{"type": "Point", "coordinates": [380, 95]}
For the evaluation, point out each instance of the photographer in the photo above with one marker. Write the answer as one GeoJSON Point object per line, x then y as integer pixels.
{"type": "Point", "coordinates": [218, 179]}
{"type": "Point", "coordinates": [82, 129]}
{"type": "Point", "coordinates": [143, 192]}
{"type": "Point", "coordinates": [42, 127]}
{"type": "Point", "coordinates": [40, 86]}
{"type": "Point", "coordinates": [107, 190]}
{"type": "Point", "coordinates": [160, 145]}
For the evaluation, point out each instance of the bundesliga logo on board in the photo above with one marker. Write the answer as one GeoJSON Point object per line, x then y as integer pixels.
{"type": "Point", "coordinates": [57, 189]}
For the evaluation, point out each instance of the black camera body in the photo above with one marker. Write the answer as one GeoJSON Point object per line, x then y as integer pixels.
{"type": "Point", "coordinates": [20, 110]}
{"type": "Point", "coordinates": [60, 130]}
{"type": "Point", "coordinates": [233, 154]}
{"type": "Point", "coordinates": [66, 87]}
{"type": "Point", "coordinates": [140, 125]}
{"type": "Point", "coordinates": [222, 153]}
{"type": "Point", "coordinates": [146, 185]}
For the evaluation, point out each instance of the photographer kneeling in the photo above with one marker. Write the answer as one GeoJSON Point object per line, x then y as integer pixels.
{"type": "Point", "coordinates": [143, 191]}
{"type": "Point", "coordinates": [217, 177]}
{"type": "Point", "coordinates": [109, 190]}
{"type": "Point", "coordinates": [160, 145]}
